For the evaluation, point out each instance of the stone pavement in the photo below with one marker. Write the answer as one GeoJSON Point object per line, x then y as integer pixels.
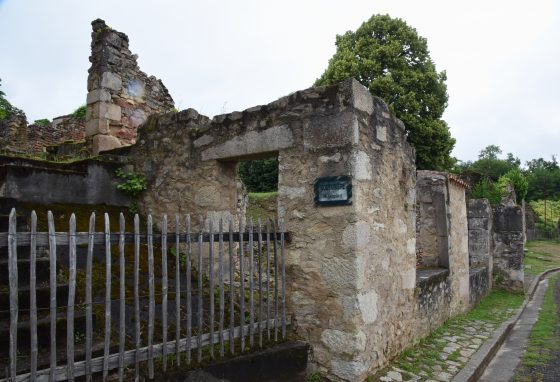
{"type": "Point", "coordinates": [441, 356]}
{"type": "Point", "coordinates": [507, 359]}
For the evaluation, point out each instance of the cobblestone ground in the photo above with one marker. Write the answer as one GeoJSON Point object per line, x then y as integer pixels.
{"type": "Point", "coordinates": [444, 353]}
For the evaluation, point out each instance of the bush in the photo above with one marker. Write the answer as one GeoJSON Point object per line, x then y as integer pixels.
{"type": "Point", "coordinates": [488, 190]}
{"type": "Point", "coordinates": [518, 180]}
{"type": "Point", "coordinates": [259, 175]}
{"type": "Point", "coordinates": [80, 113]}
{"type": "Point", "coordinates": [42, 122]}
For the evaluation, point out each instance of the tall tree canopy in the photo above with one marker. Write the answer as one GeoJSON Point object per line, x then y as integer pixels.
{"type": "Point", "coordinates": [393, 62]}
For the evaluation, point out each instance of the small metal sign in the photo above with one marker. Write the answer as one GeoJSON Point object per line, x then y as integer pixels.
{"type": "Point", "coordinates": [333, 191]}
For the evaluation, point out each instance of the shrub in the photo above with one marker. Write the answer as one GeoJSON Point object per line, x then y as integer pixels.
{"type": "Point", "coordinates": [134, 183]}
{"type": "Point", "coordinates": [259, 175]}
{"type": "Point", "coordinates": [80, 113]}
{"type": "Point", "coordinates": [488, 190]}
{"type": "Point", "coordinates": [518, 180]}
{"type": "Point", "coordinates": [42, 122]}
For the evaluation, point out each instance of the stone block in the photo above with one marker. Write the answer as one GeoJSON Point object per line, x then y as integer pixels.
{"type": "Point", "coordinates": [508, 218]}
{"type": "Point", "coordinates": [479, 208]}
{"type": "Point", "coordinates": [96, 126]}
{"type": "Point", "coordinates": [252, 143]}
{"type": "Point", "coordinates": [105, 110]}
{"type": "Point", "coordinates": [98, 95]}
{"type": "Point", "coordinates": [478, 223]}
{"type": "Point", "coordinates": [333, 130]}
{"type": "Point", "coordinates": [111, 81]}
{"type": "Point", "coordinates": [102, 143]}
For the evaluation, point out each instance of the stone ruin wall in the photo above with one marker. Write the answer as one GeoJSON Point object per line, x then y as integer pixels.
{"type": "Point", "coordinates": [350, 269]}
{"type": "Point", "coordinates": [17, 137]}
{"type": "Point", "coordinates": [508, 245]}
{"type": "Point", "coordinates": [442, 236]}
{"type": "Point", "coordinates": [120, 96]}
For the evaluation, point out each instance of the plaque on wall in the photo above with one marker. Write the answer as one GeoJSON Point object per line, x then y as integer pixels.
{"type": "Point", "coordinates": [333, 191]}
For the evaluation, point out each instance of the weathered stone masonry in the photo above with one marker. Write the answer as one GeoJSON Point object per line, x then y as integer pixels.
{"type": "Point", "coordinates": [351, 269]}
{"type": "Point", "coordinates": [121, 96]}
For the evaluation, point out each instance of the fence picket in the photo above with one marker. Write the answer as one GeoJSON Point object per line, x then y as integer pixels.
{"type": "Point", "coordinates": [267, 279]}
{"type": "Point", "coordinates": [13, 277]}
{"type": "Point", "coordinates": [52, 285]}
{"type": "Point", "coordinates": [259, 254]}
{"type": "Point", "coordinates": [177, 291]}
{"type": "Point", "coordinates": [283, 267]}
{"type": "Point", "coordinates": [242, 286]}
{"type": "Point", "coordinates": [33, 296]}
{"type": "Point", "coordinates": [211, 288]}
{"type": "Point", "coordinates": [251, 286]}
{"type": "Point", "coordinates": [231, 289]}
{"type": "Point", "coordinates": [200, 291]}
{"type": "Point", "coordinates": [164, 286]}
{"type": "Point", "coordinates": [107, 298]}
{"type": "Point", "coordinates": [221, 284]}
{"type": "Point", "coordinates": [137, 296]}
{"type": "Point", "coordinates": [189, 288]}
{"type": "Point", "coordinates": [71, 299]}
{"type": "Point", "coordinates": [151, 307]}
{"type": "Point", "coordinates": [275, 247]}
{"type": "Point", "coordinates": [89, 306]}
{"type": "Point", "coordinates": [122, 295]}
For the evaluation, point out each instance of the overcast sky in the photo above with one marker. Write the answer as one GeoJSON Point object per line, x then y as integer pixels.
{"type": "Point", "coordinates": [501, 57]}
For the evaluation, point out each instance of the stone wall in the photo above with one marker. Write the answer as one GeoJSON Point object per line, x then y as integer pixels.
{"type": "Point", "coordinates": [480, 221]}
{"type": "Point", "coordinates": [84, 182]}
{"type": "Point", "coordinates": [121, 96]}
{"type": "Point", "coordinates": [433, 300]}
{"type": "Point", "coordinates": [17, 137]}
{"type": "Point", "coordinates": [442, 242]}
{"type": "Point", "coordinates": [479, 281]}
{"type": "Point", "coordinates": [13, 133]}
{"type": "Point", "coordinates": [432, 223]}
{"type": "Point", "coordinates": [350, 269]}
{"type": "Point", "coordinates": [508, 242]}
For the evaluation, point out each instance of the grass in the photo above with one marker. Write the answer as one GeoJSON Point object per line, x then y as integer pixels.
{"type": "Point", "coordinates": [541, 255]}
{"type": "Point", "coordinates": [262, 205]}
{"type": "Point", "coordinates": [542, 340]}
{"type": "Point", "coordinates": [494, 309]}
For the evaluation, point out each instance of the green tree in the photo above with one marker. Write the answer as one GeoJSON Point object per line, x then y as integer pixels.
{"type": "Point", "coordinates": [389, 58]}
{"type": "Point", "coordinates": [6, 108]}
{"type": "Point", "coordinates": [544, 179]}
{"type": "Point", "coordinates": [259, 175]}
{"type": "Point", "coordinates": [489, 166]}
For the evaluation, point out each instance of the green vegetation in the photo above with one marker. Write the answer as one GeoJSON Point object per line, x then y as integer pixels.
{"type": "Point", "coordinates": [42, 122]}
{"type": "Point", "coordinates": [259, 175]}
{"type": "Point", "coordinates": [541, 255]}
{"type": "Point", "coordinates": [493, 310]}
{"type": "Point", "coordinates": [389, 58]}
{"type": "Point", "coordinates": [552, 214]}
{"type": "Point", "coordinates": [262, 205]}
{"type": "Point", "coordinates": [80, 113]}
{"type": "Point", "coordinates": [6, 108]}
{"type": "Point", "coordinates": [134, 183]}
{"type": "Point", "coordinates": [543, 340]}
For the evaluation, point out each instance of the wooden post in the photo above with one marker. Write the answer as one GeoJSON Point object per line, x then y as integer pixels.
{"type": "Point", "coordinates": [52, 286]}
{"type": "Point", "coordinates": [89, 300]}
{"type": "Point", "coordinates": [33, 296]}
{"type": "Point", "coordinates": [71, 299]}
{"type": "Point", "coordinates": [107, 298]}
{"type": "Point", "coordinates": [164, 287]}
{"type": "Point", "coordinates": [122, 295]}
{"type": "Point", "coordinates": [13, 277]}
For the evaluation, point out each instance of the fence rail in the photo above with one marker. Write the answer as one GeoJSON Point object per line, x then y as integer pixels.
{"type": "Point", "coordinates": [210, 272]}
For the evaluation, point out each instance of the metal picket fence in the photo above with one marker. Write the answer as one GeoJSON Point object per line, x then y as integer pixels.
{"type": "Point", "coordinates": [228, 287]}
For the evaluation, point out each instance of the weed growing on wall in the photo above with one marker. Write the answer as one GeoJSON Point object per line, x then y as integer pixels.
{"type": "Point", "coordinates": [134, 183]}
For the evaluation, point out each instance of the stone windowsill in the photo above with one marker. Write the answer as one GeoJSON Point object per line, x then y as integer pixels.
{"type": "Point", "coordinates": [429, 276]}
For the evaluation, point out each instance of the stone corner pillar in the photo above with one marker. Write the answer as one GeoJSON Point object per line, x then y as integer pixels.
{"type": "Point", "coordinates": [508, 247]}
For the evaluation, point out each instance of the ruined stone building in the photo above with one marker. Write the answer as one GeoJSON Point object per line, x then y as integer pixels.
{"type": "Point", "coordinates": [366, 278]}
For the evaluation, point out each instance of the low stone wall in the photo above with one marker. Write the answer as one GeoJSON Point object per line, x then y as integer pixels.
{"type": "Point", "coordinates": [479, 284]}
{"type": "Point", "coordinates": [84, 182]}
{"type": "Point", "coordinates": [433, 299]}
{"type": "Point", "coordinates": [480, 221]}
